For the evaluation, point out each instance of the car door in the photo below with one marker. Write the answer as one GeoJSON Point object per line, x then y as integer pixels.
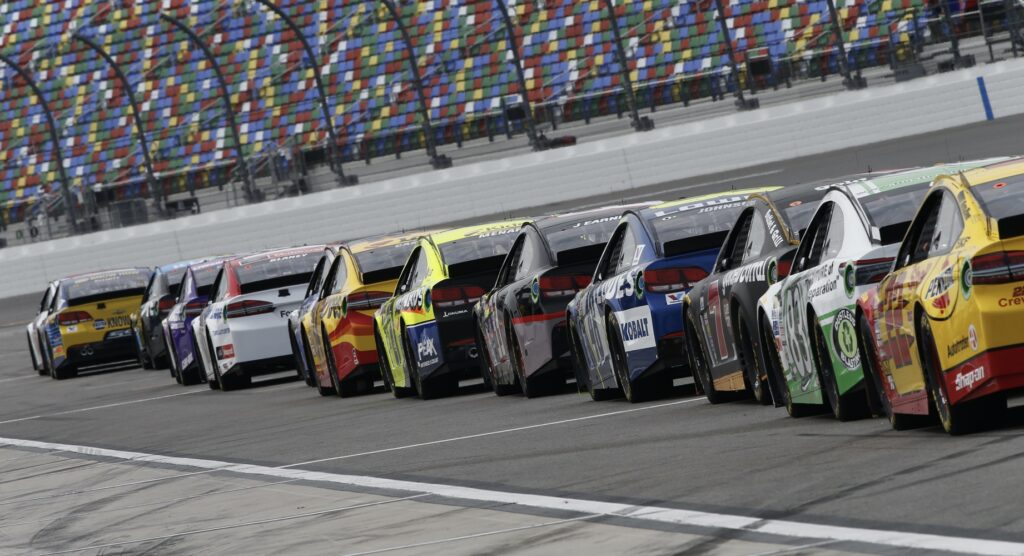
{"type": "Point", "coordinates": [797, 356]}
{"type": "Point", "coordinates": [408, 298]}
{"type": "Point", "coordinates": [713, 314]}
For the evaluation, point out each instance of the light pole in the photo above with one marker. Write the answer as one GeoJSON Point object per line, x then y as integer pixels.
{"type": "Point", "coordinates": [741, 102]}
{"type": "Point", "coordinates": [639, 124]}
{"type": "Point", "coordinates": [51, 127]}
{"type": "Point", "coordinates": [844, 67]}
{"type": "Point", "coordinates": [438, 161]}
{"type": "Point", "coordinates": [225, 98]}
{"type": "Point", "coordinates": [537, 141]}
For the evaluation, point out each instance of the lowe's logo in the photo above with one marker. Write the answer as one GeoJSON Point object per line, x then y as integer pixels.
{"type": "Point", "coordinates": [635, 329]}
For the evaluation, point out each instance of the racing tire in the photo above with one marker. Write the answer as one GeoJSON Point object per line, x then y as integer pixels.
{"type": "Point", "coordinates": [426, 389]}
{"type": "Point", "coordinates": [144, 363]}
{"type": "Point", "coordinates": [161, 362]}
{"type": "Point", "coordinates": [701, 371]}
{"type": "Point", "coordinates": [772, 364]}
{"type": "Point", "coordinates": [632, 391]}
{"type": "Point", "coordinates": [961, 418]}
{"type": "Point", "coordinates": [845, 407]}
{"type": "Point", "coordinates": [385, 369]}
{"type": "Point", "coordinates": [530, 388]}
{"type": "Point", "coordinates": [310, 377]}
{"type": "Point", "coordinates": [65, 372]}
{"type": "Point", "coordinates": [753, 373]}
{"type": "Point", "coordinates": [32, 352]}
{"type": "Point", "coordinates": [487, 368]}
{"type": "Point", "coordinates": [332, 371]}
{"type": "Point", "coordinates": [873, 387]}
{"type": "Point", "coordinates": [44, 346]}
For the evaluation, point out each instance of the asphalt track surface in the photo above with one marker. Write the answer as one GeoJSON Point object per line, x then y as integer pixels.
{"type": "Point", "coordinates": [736, 459]}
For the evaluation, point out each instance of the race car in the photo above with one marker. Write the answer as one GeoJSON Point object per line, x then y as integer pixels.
{"type": "Point", "coordinates": [147, 323]}
{"type": "Point", "coordinates": [89, 320]}
{"type": "Point", "coordinates": [34, 330]}
{"type": "Point", "coordinates": [193, 296]}
{"type": "Point", "coordinates": [341, 345]}
{"type": "Point", "coordinates": [243, 332]}
{"type": "Point", "coordinates": [300, 319]}
{"type": "Point", "coordinates": [720, 310]}
{"type": "Point", "coordinates": [944, 325]}
{"type": "Point", "coordinates": [424, 334]}
{"type": "Point", "coordinates": [626, 328]}
{"type": "Point", "coordinates": [521, 323]}
{"type": "Point", "coordinates": [807, 320]}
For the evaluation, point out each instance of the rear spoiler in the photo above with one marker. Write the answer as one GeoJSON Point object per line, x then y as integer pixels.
{"type": "Point", "coordinates": [1011, 226]}
{"type": "Point", "coordinates": [588, 254]}
{"type": "Point", "coordinates": [382, 275]}
{"type": "Point", "coordinates": [476, 266]}
{"type": "Point", "coordinates": [714, 240]}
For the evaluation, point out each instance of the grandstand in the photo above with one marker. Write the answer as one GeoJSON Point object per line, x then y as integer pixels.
{"type": "Point", "coordinates": [675, 54]}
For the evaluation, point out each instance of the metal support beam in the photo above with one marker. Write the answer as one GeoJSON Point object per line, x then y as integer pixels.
{"type": "Point", "coordinates": [250, 189]}
{"type": "Point", "coordinates": [741, 102]}
{"type": "Point", "coordinates": [849, 81]}
{"type": "Point", "coordinates": [638, 123]}
{"type": "Point", "coordinates": [69, 204]}
{"type": "Point", "coordinates": [154, 189]}
{"type": "Point", "coordinates": [332, 151]}
{"type": "Point", "coordinates": [537, 141]}
{"type": "Point", "coordinates": [436, 160]}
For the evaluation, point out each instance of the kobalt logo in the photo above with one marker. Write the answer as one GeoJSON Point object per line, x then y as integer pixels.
{"type": "Point", "coordinates": [967, 379]}
{"type": "Point", "coordinates": [635, 329]}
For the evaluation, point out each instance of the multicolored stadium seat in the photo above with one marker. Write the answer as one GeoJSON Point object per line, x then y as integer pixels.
{"type": "Point", "coordinates": [675, 52]}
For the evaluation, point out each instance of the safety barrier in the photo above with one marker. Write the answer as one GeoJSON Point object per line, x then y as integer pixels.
{"type": "Point", "coordinates": [518, 183]}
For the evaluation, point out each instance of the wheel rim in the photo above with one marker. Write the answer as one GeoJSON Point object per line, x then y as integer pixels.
{"type": "Point", "coordinates": [618, 361]}
{"type": "Point", "coordinates": [934, 377]}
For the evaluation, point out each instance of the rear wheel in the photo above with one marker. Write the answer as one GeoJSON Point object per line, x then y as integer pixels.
{"type": "Point", "coordinates": [530, 387]}
{"type": "Point", "coordinates": [332, 372]}
{"type": "Point", "coordinates": [963, 417]}
{"type": "Point", "coordinates": [385, 369]}
{"type": "Point", "coordinates": [32, 352]}
{"type": "Point", "coordinates": [64, 372]}
{"type": "Point", "coordinates": [695, 352]}
{"type": "Point", "coordinates": [44, 352]}
{"type": "Point", "coordinates": [753, 373]}
{"type": "Point", "coordinates": [845, 407]}
{"type": "Point", "coordinates": [487, 370]}
{"type": "Point", "coordinates": [620, 364]}
{"type": "Point", "coordinates": [310, 377]}
{"type": "Point", "coordinates": [426, 389]}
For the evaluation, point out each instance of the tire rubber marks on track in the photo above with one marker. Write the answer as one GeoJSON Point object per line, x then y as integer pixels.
{"type": "Point", "coordinates": [656, 514]}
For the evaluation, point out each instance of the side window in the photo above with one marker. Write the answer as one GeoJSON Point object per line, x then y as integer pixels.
{"type": "Point", "coordinates": [420, 271]}
{"type": "Point", "coordinates": [340, 274]}
{"type": "Point", "coordinates": [55, 302]}
{"type": "Point", "coordinates": [314, 279]}
{"type": "Point", "coordinates": [915, 244]}
{"type": "Point", "coordinates": [610, 257]}
{"type": "Point", "coordinates": [220, 286]}
{"type": "Point", "coordinates": [149, 288]}
{"type": "Point", "coordinates": [732, 252]}
{"type": "Point", "coordinates": [817, 228]}
{"type": "Point", "coordinates": [405, 279]}
{"type": "Point", "coordinates": [756, 235]}
{"type": "Point", "coordinates": [834, 238]}
{"type": "Point", "coordinates": [527, 255]}
{"type": "Point", "coordinates": [330, 279]}
{"type": "Point", "coordinates": [948, 226]}
{"type": "Point", "coordinates": [508, 267]}
{"type": "Point", "coordinates": [186, 284]}
{"type": "Point", "coordinates": [45, 301]}
{"type": "Point", "coordinates": [629, 251]}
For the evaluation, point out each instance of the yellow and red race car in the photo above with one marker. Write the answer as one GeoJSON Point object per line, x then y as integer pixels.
{"type": "Point", "coordinates": [942, 329]}
{"type": "Point", "coordinates": [340, 326]}
{"type": "Point", "coordinates": [89, 320]}
{"type": "Point", "coordinates": [425, 334]}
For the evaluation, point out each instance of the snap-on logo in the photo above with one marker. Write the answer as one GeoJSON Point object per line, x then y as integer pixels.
{"type": "Point", "coordinates": [967, 379]}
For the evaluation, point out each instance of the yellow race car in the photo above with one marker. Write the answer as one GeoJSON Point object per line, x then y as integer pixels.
{"type": "Point", "coordinates": [339, 327]}
{"type": "Point", "coordinates": [941, 329]}
{"type": "Point", "coordinates": [425, 336]}
{"type": "Point", "coordinates": [89, 320]}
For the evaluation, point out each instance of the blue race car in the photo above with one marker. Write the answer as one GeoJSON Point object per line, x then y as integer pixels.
{"type": "Point", "coordinates": [626, 327]}
{"type": "Point", "coordinates": [193, 296]}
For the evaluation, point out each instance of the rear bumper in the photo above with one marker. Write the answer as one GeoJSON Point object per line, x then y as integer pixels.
{"type": "Point", "coordinates": [113, 350]}
{"type": "Point", "coordinates": [996, 370]}
{"type": "Point", "coordinates": [260, 367]}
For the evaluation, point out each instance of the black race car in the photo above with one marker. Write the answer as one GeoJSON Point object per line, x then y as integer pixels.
{"type": "Point", "coordinates": [721, 309]}
{"type": "Point", "coordinates": [521, 321]}
{"type": "Point", "coordinates": [161, 295]}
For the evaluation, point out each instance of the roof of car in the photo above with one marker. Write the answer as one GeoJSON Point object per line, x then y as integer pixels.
{"type": "Point", "coordinates": [479, 230]}
{"type": "Point", "coordinates": [998, 170]}
{"type": "Point", "coordinates": [559, 220]}
{"type": "Point", "coordinates": [106, 274]}
{"type": "Point", "coordinates": [689, 203]}
{"type": "Point", "coordinates": [384, 240]}
{"type": "Point", "coordinates": [272, 254]}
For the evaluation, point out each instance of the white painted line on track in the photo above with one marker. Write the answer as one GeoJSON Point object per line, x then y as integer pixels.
{"type": "Point", "coordinates": [665, 515]}
{"type": "Point", "coordinates": [237, 525]}
{"type": "Point", "coordinates": [475, 536]}
{"type": "Point", "coordinates": [105, 406]}
{"type": "Point", "coordinates": [492, 433]}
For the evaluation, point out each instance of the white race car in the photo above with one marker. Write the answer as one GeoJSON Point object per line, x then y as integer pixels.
{"type": "Point", "coordinates": [38, 327]}
{"type": "Point", "coordinates": [243, 332]}
{"type": "Point", "coordinates": [808, 320]}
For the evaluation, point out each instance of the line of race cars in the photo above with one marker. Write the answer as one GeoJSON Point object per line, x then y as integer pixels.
{"type": "Point", "coordinates": [887, 293]}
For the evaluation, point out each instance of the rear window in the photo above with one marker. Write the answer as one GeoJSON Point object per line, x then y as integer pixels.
{"type": "Point", "coordinates": [205, 277]}
{"type": "Point", "coordinates": [106, 286]}
{"type": "Point", "coordinates": [383, 258]}
{"type": "Point", "coordinates": [798, 203]}
{"type": "Point", "coordinates": [1001, 199]}
{"type": "Point", "coordinates": [581, 233]}
{"type": "Point", "coordinates": [686, 221]}
{"type": "Point", "coordinates": [492, 243]}
{"type": "Point", "coordinates": [894, 209]}
{"type": "Point", "coordinates": [277, 271]}
{"type": "Point", "coordinates": [174, 280]}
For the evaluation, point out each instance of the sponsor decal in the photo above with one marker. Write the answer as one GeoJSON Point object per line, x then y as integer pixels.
{"type": "Point", "coordinates": [966, 379]}
{"type": "Point", "coordinates": [940, 283]}
{"type": "Point", "coordinates": [188, 360]}
{"type": "Point", "coordinates": [942, 302]}
{"type": "Point", "coordinates": [772, 273]}
{"type": "Point", "coordinates": [705, 206]}
{"type": "Point", "coordinates": [285, 314]}
{"type": "Point", "coordinates": [596, 221]}
{"type": "Point", "coordinates": [636, 328]}
{"type": "Point", "coordinates": [844, 339]}
{"type": "Point", "coordinates": [426, 351]}
{"type": "Point", "coordinates": [226, 351]}
{"type": "Point", "coordinates": [849, 280]}
{"type": "Point", "coordinates": [1014, 300]}
{"type": "Point", "coordinates": [100, 324]}
{"type": "Point", "coordinates": [837, 184]}
{"type": "Point", "coordinates": [446, 314]}
{"type": "Point", "coordinates": [638, 253]}
{"type": "Point", "coordinates": [753, 272]}
{"type": "Point", "coordinates": [72, 328]}
{"type": "Point", "coordinates": [957, 346]}
{"type": "Point", "coordinates": [828, 286]}
{"type": "Point", "coordinates": [773, 229]}
{"type": "Point", "coordinates": [535, 290]}
{"type": "Point", "coordinates": [674, 298]}
{"type": "Point", "coordinates": [221, 332]}
{"type": "Point", "coordinates": [640, 286]}
{"type": "Point", "coordinates": [966, 279]}
{"type": "Point", "coordinates": [499, 232]}
{"type": "Point", "coordinates": [972, 337]}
